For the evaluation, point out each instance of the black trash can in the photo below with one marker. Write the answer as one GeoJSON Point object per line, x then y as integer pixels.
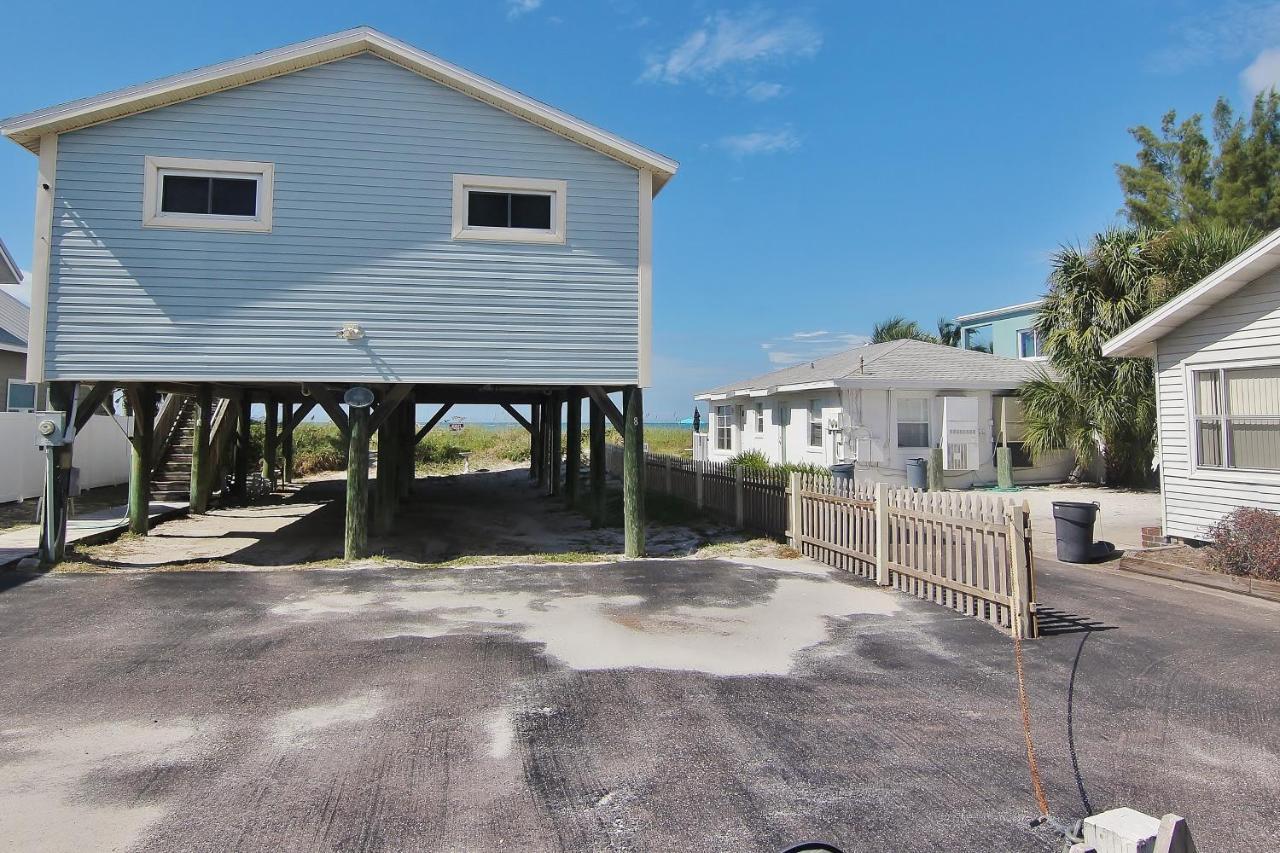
{"type": "Point", "coordinates": [1073, 522]}
{"type": "Point", "coordinates": [842, 471]}
{"type": "Point", "coordinates": [918, 473]}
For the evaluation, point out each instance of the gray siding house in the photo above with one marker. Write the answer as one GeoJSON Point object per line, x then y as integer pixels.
{"type": "Point", "coordinates": [345, 211]}
{"type": "Point", "coordinates": [1216, 351]}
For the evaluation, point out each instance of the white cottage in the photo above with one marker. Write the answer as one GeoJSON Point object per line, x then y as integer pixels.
{"type": "Point", "coordinates": [879, 406]}
{"type": "Point", "coordinates": [1216, 349]}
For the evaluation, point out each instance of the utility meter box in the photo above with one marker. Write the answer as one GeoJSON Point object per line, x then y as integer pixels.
{"type": "Point", "coordinates": [50, 427]}
{"type": "Point", "coordinates": [1121, 831]}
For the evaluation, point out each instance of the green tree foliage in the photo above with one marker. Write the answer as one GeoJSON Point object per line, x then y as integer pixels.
{"type": "Point", "coordinates": [898, 328]}
{"type": "Point", "coordinates": [1095, 292]}
{"type": "Point", "coordinates": [948, 332]}
{"type": "Point", "coordinates": [1183, 177]}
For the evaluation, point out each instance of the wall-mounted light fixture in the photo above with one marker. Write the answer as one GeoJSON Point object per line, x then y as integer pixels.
{"type": "Point", "coordinates": [351, 332]}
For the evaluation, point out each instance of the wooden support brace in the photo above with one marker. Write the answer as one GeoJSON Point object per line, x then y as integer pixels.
{"type": "Point", "coordinates": [429, 425]}
{"type": "Point", "coordinates": [389, 405]}
{"type": "Point", "coordinates": [299, 415]}
{"type": "Point", "coordinates": [519, 418]}
{"type": "Point", "coordinates": [606, 405]}
{"type": "Point", "coordinates": [332, 408]}
{"type": "Point", "coordinates": [88, 405]}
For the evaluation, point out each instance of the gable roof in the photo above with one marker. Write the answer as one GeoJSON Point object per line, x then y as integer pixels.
{"type": "Point", "coordinates": [14, 320]}
{"type": "Point", "coordinates": [9, 272]}
{"type": "Point", "coordinates": [27, 129]}
{"type": "Point", "coordinates": [1139, 339]}
{"type": "Point", "coordinates": [896, 364]}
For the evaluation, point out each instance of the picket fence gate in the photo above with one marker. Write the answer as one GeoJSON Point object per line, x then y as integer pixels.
{"type": "Point", "coordinates": [968, 551]}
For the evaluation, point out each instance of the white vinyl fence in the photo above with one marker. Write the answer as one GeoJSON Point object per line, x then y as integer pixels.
{"type": "Point", "coordinates": [101, 453]}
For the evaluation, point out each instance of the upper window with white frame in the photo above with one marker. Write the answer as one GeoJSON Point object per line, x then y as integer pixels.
{"type": "Point", "coordinates": [513, 210]}
{"type": "Point", "coordinates": [1237, 418]}
{"type": "Point", "coordinates": [913, 422]}
{"type": "Point", "coordinates": [759, 418]}
{"type": "Point", "coordinates": [215, 195]}
{"type": "Point", "coordinates": [1029, 344]}
{"type": "Point", "coordinates": [815, 423]}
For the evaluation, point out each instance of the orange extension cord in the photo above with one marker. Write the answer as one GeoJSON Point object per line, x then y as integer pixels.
{"type": "Point", "coordinates": [1041, 800]}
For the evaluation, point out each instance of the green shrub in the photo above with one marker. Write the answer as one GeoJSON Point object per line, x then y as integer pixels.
{"type": "Point", "coordinates": [803, 468]}
{"type": "Point", "coordinates": [752, 460]}
{"type": "Point", "coordinates": [487, 447]}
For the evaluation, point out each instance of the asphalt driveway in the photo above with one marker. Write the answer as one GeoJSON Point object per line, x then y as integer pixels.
{"type": "Point", "coordinates": [656, 705]}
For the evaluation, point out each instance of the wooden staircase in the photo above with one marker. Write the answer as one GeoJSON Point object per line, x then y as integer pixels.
{"type": "Point", "coordinates": [171, 473]}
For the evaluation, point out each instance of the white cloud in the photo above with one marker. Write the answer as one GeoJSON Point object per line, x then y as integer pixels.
{"type": "Point", "coordinates": [1263, 72]}
{"type": "Point", "coordinates": [763, 91]}
{"type": "Point", "coordinates": [516, 8]}
{"type": "Point", "coordinates": [727, 42]}
{"type": "Point", "coordinates": [760, 142]}
{"type": "Point", "coordinates": [799, 347]}
{"type": "Point", "coordinates": [1232, 31]}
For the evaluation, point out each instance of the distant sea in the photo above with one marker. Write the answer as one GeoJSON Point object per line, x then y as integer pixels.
{"type": "Point", "coordinates": [506, 424]}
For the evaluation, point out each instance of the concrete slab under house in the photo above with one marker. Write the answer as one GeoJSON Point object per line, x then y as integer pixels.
{"type": "Point", "coordinates": [350, 226]}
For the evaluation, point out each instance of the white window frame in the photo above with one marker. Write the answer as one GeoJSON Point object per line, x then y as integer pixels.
{"type": "Point", "coordinates": [8, 394]}
{"type": "Point", "coordinates": [1209, 472]}
{"type": "Point", "coordinates": [558, 190]}
{"type": "Point", "coordinates": [1035, 335]}
{"type": "Point", "coordinates": [155, 168]}
{"type": "Point", "coordinates": [722, 422]}
{"type": "Point", "coordinates": [815, 420]}
{"type": "Point", "coordinates": [759, 410]}
{"type": "Point", "coordinates": [898, 421]}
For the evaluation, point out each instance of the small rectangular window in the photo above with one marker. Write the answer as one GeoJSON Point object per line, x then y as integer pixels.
{"type": "Point", "coordinates": [515, 210]}
{"type": "Point", "coordinates": [759, 418]}
{"type": "Point", "coordinates": [913, 422]}
{"type": "Point", "coordinates": [20, 397]}
{"type": "Point", "coordinates": [215, 195]}
{"type": "Point", "coordinates": [724, 427]}
{"type": "Point", "coordinates": [815, 423]}
{"type": "Point", "coordinates": [979, 338]}
{"type": "Point", "coordinates": [1028, 343]}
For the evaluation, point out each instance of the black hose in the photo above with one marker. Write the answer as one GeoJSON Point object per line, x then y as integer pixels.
{"type": "Point", "coordinates": [1071, 731]}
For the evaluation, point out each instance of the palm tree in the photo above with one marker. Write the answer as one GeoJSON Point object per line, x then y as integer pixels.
{"type": "Point", "coordinates": [948, 332]}
{"type": "Point", "coordinates": [898, 328]}
{"type": "Point", "coordinates": [1091, 404]}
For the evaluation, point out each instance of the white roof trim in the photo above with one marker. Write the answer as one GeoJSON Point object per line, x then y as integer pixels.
{"type": "Point", "coordinates": [9, 272]}
{"type": "Point", "coordinates": [1139, 339]}
{"type": "Point", "coordinates": [996, 312]}
{"type": "Point", "coordinates": [27, 129]}
{"type": "Point", "coordinates": [870, 383]}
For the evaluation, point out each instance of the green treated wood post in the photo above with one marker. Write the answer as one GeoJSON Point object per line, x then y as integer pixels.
{"type": "Point", "coordinates": [244, 445]}
{"type": "Point", "coordinates": [544, 444]}
{"type": "Point", "coordinates": [53, 526]}
{"type": "Point", "coordinates": [557, 431]}
{"type": "Point", "coordinates": [384, 499]}
{"type": "Point", "coordinates": [596, 454]}
{"type": "Point", "coordinates": [200, 448]}
{"type": "Point", "coordinates": [535, 440]}
{"type": "Point", "coordinates": [286, 441]}
{"type": "Point", "coordinates": [144, 423]}
{"type": "Point", "coordinates": [573, 449]}
{"type": "Point", "coordinates": [356, 540]}
{"type": "Point", "coordinates": [633, 473]}
{"type": "Point", "coordinates": [1004, 467]}
{"type": "Point", "coordinates": [936, 482]}
{"type": "Point", "coordinates": [270, 441]}
{"type": "Point", "coordinates": [408, 420]}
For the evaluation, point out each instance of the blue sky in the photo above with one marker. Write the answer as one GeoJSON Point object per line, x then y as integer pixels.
{"type": "Point", "coordinates": [840, 162]}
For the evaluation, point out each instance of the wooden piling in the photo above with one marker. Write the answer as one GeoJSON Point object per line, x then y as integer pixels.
{"type": "Point", "coordinates": [244, 447]}
{"type": "Point", "coordinates": [406, 469]}
{"type": "Point", "coordinates": [142, 441]}
{"type": "Point", "coordinates": [356, 539]}
{"type": "Point", "coordinates": [200, 451]}
{"type": "Point", "coordinates": [286, 441]}
{"type": "Point", "coordinates": [557, 430]}
{"type": "Point", "coordinates": [535, 440]}
{"type": "Point", "coordinates": [385, 484]}
{"type": "Point", "coordinates": [270, 441]}
{"type": "Point", "coordinates": [57, 497]}
{"type": "Point", "coordinates": [633, 473]}
{"type": "Point", "coordinates": [573, 449]}
{"type": "Point", "coordinates": [596, 460]}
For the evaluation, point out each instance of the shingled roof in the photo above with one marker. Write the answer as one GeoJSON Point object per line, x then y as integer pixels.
{"type": "Point", "coordinates": [896, 364]}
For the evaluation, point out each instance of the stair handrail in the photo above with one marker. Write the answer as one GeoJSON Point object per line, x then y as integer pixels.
{"type": "Point", "coordinates": [223, 421]}
{"type": "Point", "coordinates": [166, 420]}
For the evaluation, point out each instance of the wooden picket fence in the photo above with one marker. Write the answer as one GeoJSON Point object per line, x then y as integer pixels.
{"type": "Point", "coordinates": [968, 551]}
{"type": "Point", "coordinates": [749, 499]}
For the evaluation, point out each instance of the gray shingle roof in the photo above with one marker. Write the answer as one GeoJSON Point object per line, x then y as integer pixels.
{"type": "Point", "coordinates": [905, 361]}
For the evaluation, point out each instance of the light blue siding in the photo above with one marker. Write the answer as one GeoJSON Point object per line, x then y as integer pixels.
{"type": "Point", "coordinates": [1004, 330]}
{"type": "Point", "coordinates": [364, 152]}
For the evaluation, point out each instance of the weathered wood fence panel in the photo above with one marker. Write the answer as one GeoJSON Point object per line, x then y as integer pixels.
{"type": "Point", "coordinates": [967, 551]}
